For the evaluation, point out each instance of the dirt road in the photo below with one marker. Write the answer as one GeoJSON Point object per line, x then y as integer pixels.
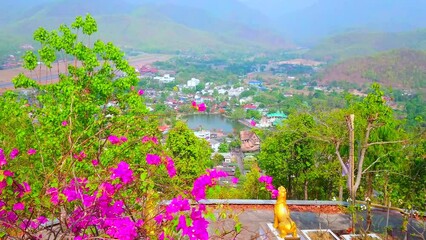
{"type": "Point", "coordinates": [45, 75]}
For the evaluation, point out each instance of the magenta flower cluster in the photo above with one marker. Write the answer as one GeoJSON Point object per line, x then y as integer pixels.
{"type": "Point", "coordinates": [80, 156]}
{"type": "Point", "coordinates": [204, 181]}
{"type": "Point", "coordinates": [10, 218]}
{"type": "Point", "coordinates": [146, 139]}
{"type": "Point", "coordinates": [195, 228]}
{"type": "Point", "coordinates": [101, 209]}
{"type": "Point", "coordinates": [153, 159]}
{"type": "Point", "coordinates": [268, 181]}
{"type": "Point", "coordinates": [117, 140]}
{"type": "Point", "coordinates": [122, 172]}
{"type": "Point", "coordinates": [200, 107]}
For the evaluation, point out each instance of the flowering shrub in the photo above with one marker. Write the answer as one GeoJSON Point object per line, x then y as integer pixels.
{"type": "Point", "coordinates": [200, 107]}
{"type": "Point", "coordinates": [268, 185]}
{"type": "Point", "coordinates": [94, 167]}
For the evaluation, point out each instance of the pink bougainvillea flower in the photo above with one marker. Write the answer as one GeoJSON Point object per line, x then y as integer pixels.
{"type": "Point", "coordinates": [132, 88]}
{"type": "Point", "coordinates": [64, 123]}
{"type": "Point", "coordinates": [123, 172]}
{"type": "Point", "coordinates": [170, 166]}
{"type": "Point", "coordinates": [22, 189]}
{"type": "Point", "coordinates": [177, 205]}
{"type": "Point", "coordinates": [268, 181]}
{"type": "Point", "coordinates": [204, 181]}
{"type": "Point", "coordinates": [146, 139]}
{"type": "Point", "coordinates": [75, 189]}
{"type": "Point", "coordinates": [8, 173]}
{"type": "Point", "coordinates": [3, 160]}
{"type": "Point", "coordinates": [123, 139]}
{"type": "Point", "coordinates": [31, 151]}
{"type": "Point", "coordinates": [159, 218]}
{"type": "Point", "coordinates": [113, 139]}
{"type": "Point", "coordinates": [14, 153]}
{"type": "Point", "coordinates": [141, 92]}
{"type": "Point", "coordinates": [235, 180]}
{"type": "Point", "coordinates": [95, 162]}
{"type": "Point", "coordinates": [265, 179]}
{"type": "Point", "coordinates": [18, 206]}
{"type": "Point", "coordinates": [54, 195]}
{"type": "Point", "coordinates": [253, 123]}
{"type": "Point", "coordinates": [153, 159]}
{"type": "Point", "coordinates": [140, 223]}
{"type": "Point", "coordinates": [82, 155]}
{"type": "Point", "coordinates": [182, 225]}
{"type": "Point", "coordinates": [116, 140]}
{"type": "Point", "coordinates": [201, 107]}
{"type": "Point", "coordinates": [42, 220]}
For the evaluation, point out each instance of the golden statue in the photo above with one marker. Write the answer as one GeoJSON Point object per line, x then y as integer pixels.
{"type": "Point", "coordinates": [282, 220]}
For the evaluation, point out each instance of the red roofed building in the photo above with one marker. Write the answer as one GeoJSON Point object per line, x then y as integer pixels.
{"type": "Point", "coordinates": [250, 142]}
{"type": "Point", "coordinates": [148, 69]}
{"type": "Point", "coordinates": [250, 106]}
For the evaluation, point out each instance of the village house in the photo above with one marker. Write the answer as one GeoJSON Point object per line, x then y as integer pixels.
{"type": "Point", "coordinates": [250, 142]}
{"type": "Point", "coordinates": [276, 118]}
{"type": "Point", "coordinates": [193, 83]}
{"type": "Point", "coordinates": [246, 100]}
{"type": "Point", "coordinates": [147, 70]}
{"type": "Point", "coordinates": [264, 123]}
{"type": "Point", "coordinates": [202, 134]}
{"type": "Point", "coordinates": [165, 79]}
{"type": "Point", "coordinates": [250, 106]}
{"type": "Point", "coordinates": [235, 91]}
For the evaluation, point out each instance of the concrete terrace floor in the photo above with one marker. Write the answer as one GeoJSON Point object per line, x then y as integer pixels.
{"type": "Point", "coordinates": [254, 216]}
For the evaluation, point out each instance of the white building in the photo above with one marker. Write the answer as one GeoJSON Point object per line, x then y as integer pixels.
{"type": "Point", "coordinates": [235, 91]}
{"type": "Point", "coordinates": [202, 134]}
{"type": "Point", "coordinates": [193, 82]}
{"type": "Point", "coordinates": [246, 100]}
{"type": "Point", "coordinates": [165, 79]}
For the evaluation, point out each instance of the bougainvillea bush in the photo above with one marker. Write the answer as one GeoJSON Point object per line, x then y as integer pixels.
{"type": "Point", "coordinates": [83, 157]}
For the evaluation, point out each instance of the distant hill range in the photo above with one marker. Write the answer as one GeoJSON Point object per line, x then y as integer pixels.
{"type": "Point", "coordinates": [401, 69]}
{"type": "Point", "coordinates": [358, 27]}
{"type": "Point", "coordinates": [160, 25]}
{"type": "Point", "coordinates": [361, 43]}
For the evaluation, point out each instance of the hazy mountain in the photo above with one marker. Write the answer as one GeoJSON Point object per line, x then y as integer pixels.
{"type": "Point", "coordinates": [162, 25]}
{"type": "Point", "coordinates": [361, 43]}
{"type": "Point", "coordinates": [327, 17]}
{"type": "Point", "coordinates": [230, 24]}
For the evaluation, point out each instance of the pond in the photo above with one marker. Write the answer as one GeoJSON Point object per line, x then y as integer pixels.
{"type": "Point", "coordinates": [212, 122]}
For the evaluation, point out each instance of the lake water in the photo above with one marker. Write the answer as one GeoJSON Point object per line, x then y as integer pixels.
{"type": "Point", "coordinates": [213, 122]}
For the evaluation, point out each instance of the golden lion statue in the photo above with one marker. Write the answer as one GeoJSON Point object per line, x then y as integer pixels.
{"type": "Point", "coordinates": [282, 220]}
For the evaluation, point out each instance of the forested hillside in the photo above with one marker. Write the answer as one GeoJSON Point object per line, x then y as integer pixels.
{"type": "Point", "coordinates": [362, 43]}
{"type": "Point", "coordinates": [403, 69]}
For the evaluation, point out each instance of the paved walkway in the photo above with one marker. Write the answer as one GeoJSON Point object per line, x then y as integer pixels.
{"type": "Point", "coordinates": [339, 223]}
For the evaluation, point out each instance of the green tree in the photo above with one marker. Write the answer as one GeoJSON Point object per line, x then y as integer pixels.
{"type": "Point", "coordinates": [223, 148]}
{"type": "Point", "coordinates": [252, 188]}
{"type": "Point", "coordinates": [288, 154]}
{"type": "Point", "coordinates": [238, 113]}
{"type": "Point", "coordinates": [191, 154]}
{"type": "Point", "coordinates": [253, 114]}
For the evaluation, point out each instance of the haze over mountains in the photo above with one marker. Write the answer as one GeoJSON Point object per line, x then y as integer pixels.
{"type": "Point", "coordinates": [170, 25]}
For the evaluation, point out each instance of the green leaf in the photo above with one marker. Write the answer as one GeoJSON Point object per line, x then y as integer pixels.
{"type": "Point", "coordinates": [238, 227]}
{"type": "Point", "coordinates": [211, 216]}
{"type": "Point", "coordinates": [9, 181]}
